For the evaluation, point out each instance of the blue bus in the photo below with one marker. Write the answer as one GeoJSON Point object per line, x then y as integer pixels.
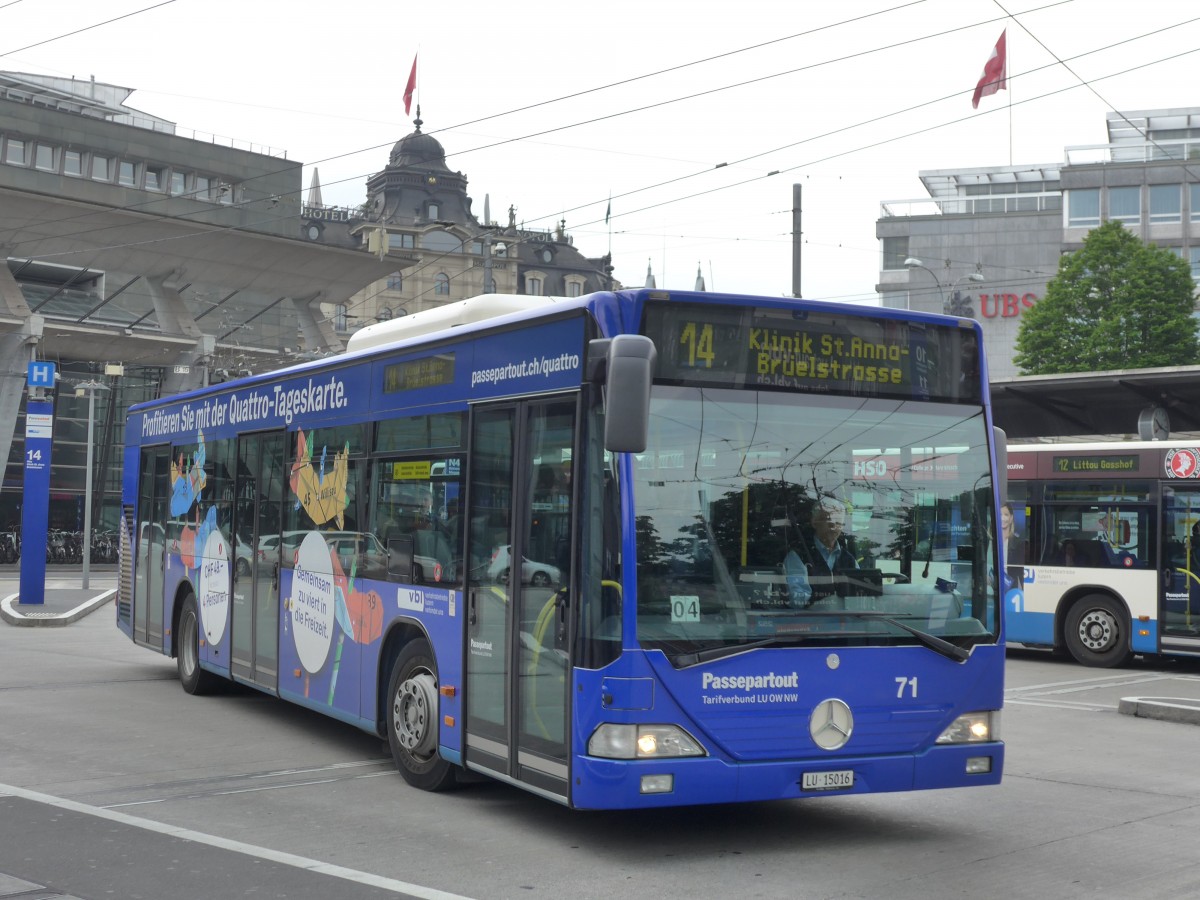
{"type": "Point", "coordinates": [632, 549]}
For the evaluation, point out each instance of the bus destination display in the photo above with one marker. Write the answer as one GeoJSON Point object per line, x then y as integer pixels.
{"type": "Point", "coordinates": [756, 347]}
{"type": "Point", "coordinates": [430, 371]}
{"type": "Point", "coordinates": [1092, 464]}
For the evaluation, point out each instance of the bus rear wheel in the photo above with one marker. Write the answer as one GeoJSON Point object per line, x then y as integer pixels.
{"type": "Point", "coordinates": [1097, 631]}
{"type": "Point", "coordinates": [412, 720]}
{"type": "Point", "coordinates": [187, 657]}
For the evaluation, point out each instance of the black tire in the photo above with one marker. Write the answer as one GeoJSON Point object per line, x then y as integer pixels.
{"type": "Point", "coordinates": [412, 719]}
{"type": "Point", "coordinates": [194, 679]}
{"type": "Point", "coordinates": [1097, 632]}
{"type": "Point", "coordinates": [539, 579]}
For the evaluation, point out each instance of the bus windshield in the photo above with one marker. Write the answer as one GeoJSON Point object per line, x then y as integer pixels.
{"type": "Point", "coordinates": [831, 520]}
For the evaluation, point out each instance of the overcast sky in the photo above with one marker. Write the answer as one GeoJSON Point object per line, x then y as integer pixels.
{"type": "Point", "coordinates": [851, 100]}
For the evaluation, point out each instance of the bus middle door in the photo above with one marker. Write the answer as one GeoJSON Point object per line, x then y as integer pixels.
{"type": "Point", "coordinates": [261, 475]}
{"type": "Point", "coordinates": [519, 544]}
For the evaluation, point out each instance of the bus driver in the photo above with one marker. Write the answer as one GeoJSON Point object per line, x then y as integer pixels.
{"type": "Point", "coordinates": [820, 553]}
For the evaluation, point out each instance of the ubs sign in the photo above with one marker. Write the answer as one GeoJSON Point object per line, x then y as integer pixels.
{"type": "Point", "coordinates": [1005, 306]}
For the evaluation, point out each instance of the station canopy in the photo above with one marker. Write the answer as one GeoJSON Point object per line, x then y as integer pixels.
{"type": "Point", "coordinates": [1095, 403]}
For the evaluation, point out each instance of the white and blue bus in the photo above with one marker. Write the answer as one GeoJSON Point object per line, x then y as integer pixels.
{"type": "Point", "coordinates": [632, 549]}
{"type": "Point", "coordinates": [1104, 551]}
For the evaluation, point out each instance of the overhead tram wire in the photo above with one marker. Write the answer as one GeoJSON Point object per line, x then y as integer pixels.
{"type": "Point", "coordinates": [889, 140]}
{"type": "Point", "coordinates": [876, 120]}
{"type": "Point", "coordinates": [130, 15]}
{"type": "Point", "coordinates": [630, 111]}
{"type": "Point", "coordinates": [678, 99]}
{"type": "Point", "coordinates": [705, 171]}
{"type": "Point", "coordinates": [131, 207]}
{"type": "Point", "coordinates": [756, 178]}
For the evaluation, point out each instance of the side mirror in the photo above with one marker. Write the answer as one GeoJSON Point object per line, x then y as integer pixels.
{"type": "Point", "coordinates": [630, 370]}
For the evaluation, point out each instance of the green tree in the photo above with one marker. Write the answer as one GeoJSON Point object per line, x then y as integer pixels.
{"type": "Point", "coordinates": [1115, 303]}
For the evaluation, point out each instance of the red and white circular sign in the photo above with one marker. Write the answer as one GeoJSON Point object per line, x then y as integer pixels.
{"type": "Point", "coordinates": [1183, 463]}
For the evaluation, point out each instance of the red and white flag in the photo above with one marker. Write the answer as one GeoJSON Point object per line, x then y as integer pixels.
{"type": "Point", "coordinates": [994, 73]}
{"type": "Point", "coordinates": [412, 85]}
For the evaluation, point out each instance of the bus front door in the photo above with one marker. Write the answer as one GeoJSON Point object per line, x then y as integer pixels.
{"type": "Point", "coordinates": [154, 494]}
{"type": "Point", "coordinates": [258, 511]}
{"type": "Point", "coordinates": [519, 550]}
{"type": "Point", "coordinates": [1179, 586]}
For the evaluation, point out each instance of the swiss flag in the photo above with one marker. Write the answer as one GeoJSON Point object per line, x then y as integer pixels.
{"type": "Point", "coordinates": [993, 73]}
{"type": "Point", "coordinates": [412, 85]}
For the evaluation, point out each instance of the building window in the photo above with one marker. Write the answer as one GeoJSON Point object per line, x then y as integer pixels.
{"type": "Point", "coordinates": [574, 289]}
{"type": "Point", "coordinates": [395, 282]}
{"type": "Point", "coordinates": [202, 187]}
{"type": "Point", "coordinates": [398, 241]}
{"type": "Point", "coordinates": [1194, 201]}
{"type": "Point", "coordinates": [46, 158]}
{"type": "Point", "coordinates": [385, 314]}
{"type": "Point", "coordinates": [895, 251]}
{"type": "Point", "coordinates": [1083, 208]}
{"type": "Point", "coordinates": [339, 317]}
{"type": "Point", "coordinates": [533, 286]}
{"type": "Point", "coordinates": [1125, 205]}
{"type": "Point", "coordinates": [16, 153]}
{"type": "Point", "coordinates": [178, 183]}
{"type": "Point", "coordinates": [1194, 260]}
{"type": "Point", "coordinates": [1165, 203]}
{"type": "Point", "coordinates": [127, 174]}
{"type": "Point", "coordinates": [441, 285]}
{"type": "Point", "coordinates": [73, 163]}
{"type": "Point", "coordinates": [431, 211]}
{"type": "Point", "coordinates": [154, 178]}
{"type": "Point", "coordinates": [102, 168]}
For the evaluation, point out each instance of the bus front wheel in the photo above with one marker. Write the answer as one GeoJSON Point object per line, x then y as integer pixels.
{"type": "Point", "coordinates": [1097, 631]}
{"type": "Point", "coordinates": [412, 720]}
{"type": "Point", "coordinates": [187, 657]}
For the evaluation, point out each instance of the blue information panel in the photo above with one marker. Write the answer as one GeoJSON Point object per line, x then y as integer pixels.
{"type": "Point", "coordinates": [35, 503]}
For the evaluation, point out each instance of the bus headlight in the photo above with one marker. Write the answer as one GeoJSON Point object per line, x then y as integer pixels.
{"type": "Point", "coordinates": [613, 741]}
{"type": "Point", "coordinates": [972, 728]}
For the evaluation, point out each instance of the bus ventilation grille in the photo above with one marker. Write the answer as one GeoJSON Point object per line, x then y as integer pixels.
{"type": "Point", "coordinates": [125, 568]}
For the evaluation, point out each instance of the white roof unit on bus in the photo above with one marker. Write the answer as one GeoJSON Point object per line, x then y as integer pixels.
{"type": "Point", "coordinates": [427, 321]}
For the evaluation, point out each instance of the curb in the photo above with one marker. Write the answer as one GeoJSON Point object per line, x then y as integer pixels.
{"type": "Point", "coordinates": [1166, 709]}
{"type": "Point", "coordinates": [27, 617]}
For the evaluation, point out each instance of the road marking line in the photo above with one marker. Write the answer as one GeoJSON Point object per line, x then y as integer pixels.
{"type": "Point", "coordinates": [212, 840]}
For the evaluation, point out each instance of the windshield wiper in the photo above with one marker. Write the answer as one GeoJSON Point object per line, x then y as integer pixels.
{"type": "Point", "coordinates": [932, 641]}
{"type": "Point", "coordinates": [683, 660]}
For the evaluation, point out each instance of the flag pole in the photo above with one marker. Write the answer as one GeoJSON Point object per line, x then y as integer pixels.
{"type": "Point", "coordinates": [608, 224]}
{"type": "Point", "coordinates": [1007, 59]}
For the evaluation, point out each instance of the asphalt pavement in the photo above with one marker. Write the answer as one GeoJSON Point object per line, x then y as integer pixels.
{"type": "Point", "coordinates": [107, 847]}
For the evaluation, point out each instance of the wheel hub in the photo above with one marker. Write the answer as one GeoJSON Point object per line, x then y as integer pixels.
{"type": "Point", "coordinates": [1097, 630]}
{"type": "Point", "coordinates": [413, 713]}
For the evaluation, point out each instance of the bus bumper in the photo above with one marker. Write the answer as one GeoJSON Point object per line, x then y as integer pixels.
{"type": "Point", "coordinates": [633, 784]}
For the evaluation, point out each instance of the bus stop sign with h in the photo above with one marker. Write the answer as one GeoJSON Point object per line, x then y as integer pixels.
{"type": "Point", "coordinates": [35, 500]}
